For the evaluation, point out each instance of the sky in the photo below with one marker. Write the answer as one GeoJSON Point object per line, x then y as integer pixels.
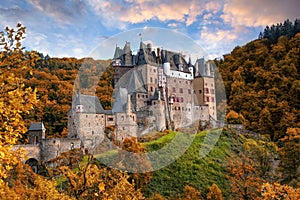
{"type": "Point", "coordinates": [75, 28]}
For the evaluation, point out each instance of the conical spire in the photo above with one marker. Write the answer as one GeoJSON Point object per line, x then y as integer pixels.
{"type": "Point", "coordinates": [78, 98]}
{"type": "Point", "coordinates": [128, 106]}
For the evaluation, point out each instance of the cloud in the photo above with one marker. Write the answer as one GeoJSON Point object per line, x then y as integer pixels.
{"type": "Point", "coordinates": [62, 11]}
{"type": "Point", "coordinates": [172, 25]}
{"type": "Point", "coordinates": [118, 14]}
{"type": "Point", "coordinates": [216, 41]}
{"type": "Point", "coordinates": [218, 35]}
{"type": "Point", "coordinates": [10, 16]}
{"type": "Point", "coordinates": [213, 6]}
{"type": "Point", "coordinates": [259, 12]}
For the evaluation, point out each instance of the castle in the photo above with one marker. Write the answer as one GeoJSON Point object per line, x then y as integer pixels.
{"type": "Point", "coordinates": [154, 90]}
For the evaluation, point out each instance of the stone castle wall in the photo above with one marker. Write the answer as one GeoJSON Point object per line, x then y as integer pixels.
{"type": "Point", "coordinates": [90, 128]}
{"type": "Point", "coordinates": [32, 150]}
{"type": "Point", "coordinates": [53, 147]}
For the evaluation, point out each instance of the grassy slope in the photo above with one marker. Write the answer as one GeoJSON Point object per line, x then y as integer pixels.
{"type": "Point", "coordinates": [190, 169]}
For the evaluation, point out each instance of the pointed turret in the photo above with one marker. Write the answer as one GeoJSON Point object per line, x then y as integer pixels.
{"type": "Point", "coordinates": [79, 106]}
{"type": "Point", "coordinates": [118, 52]}
{"type": "Point", "coordinates": [128, 106]}
{"type": "Point", "coordinates": [127, 55]}
{"type": "Point", "coordinates": [127, 48]}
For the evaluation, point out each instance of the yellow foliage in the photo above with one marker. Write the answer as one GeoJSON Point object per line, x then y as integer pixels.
{"type": "Point", "coordinates": [91, 181]}
{"type": "Point", "coordinates": [214, 193]}
{"type": "Point", "coordinates": [272, 191]}
{"type": "Point", "coordinates": [15, 98]}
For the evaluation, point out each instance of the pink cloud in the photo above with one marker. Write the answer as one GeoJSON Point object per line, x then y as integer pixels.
{"type": "Point", "coordinates": [116, 13]}
{"type": "Point", "coordinates": [259, 12]}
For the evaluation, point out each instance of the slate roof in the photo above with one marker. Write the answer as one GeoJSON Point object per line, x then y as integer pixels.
{"type": "Point", "coordinates": [149, 56]}
{"type": "Point", "coordinates": [118, 53]}
{"type": "Point", "coordinates": [91, 104]}
{"type": "Point", "coordinates": [37, 126]}
{"type": "Point", "coordinates": [136, 83]}
{"type": "Point", "coordinates": [132, 81]}
{"type": "Point", "coordinates": [127, 48]}
{"type": "Point", "coordinates": [120, 97]}
{"type": "Point", "coordinates": [175, 59]}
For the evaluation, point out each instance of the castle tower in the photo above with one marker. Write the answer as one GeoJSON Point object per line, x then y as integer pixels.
{"type": "Point", "coordinates": [36, 132]}
{"type": "Point", "coordinates": [78, 104]}
{"type": "Point", "coordinates": [157, 111]}
{"type": "Point", "coordinates": [127, 54]}
{"type": "Point", "coordinates": [204, 87]}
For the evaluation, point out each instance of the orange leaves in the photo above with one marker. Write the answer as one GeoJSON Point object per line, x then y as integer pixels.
{"type": "Point", "coordinates": [272, 191]}
{"type": "Point", "coordinates": [214, 193]}
{"type": "Point", "coordinates": [15, 99]}
{"type": "Point", "coordinates": [92, 181]}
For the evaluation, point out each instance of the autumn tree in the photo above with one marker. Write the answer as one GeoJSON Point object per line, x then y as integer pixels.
{"type": "Point", "coordinates": [133, 158]}
{"type": "Point", "coordinates": [190, 193]}
{"type": "Point", "coordinates": [261, 80]}
{"type": "Point", "coordinates": [233, 117]}
{"type": "Point", "coordinates": [290, 156]}
{"type": "Point", "coordinates": [156, 197]}
{"type": "Point", "coordinates": [15, 98]}
{"type": "Point", "coordinates": [275, 190]}
{"type": "Point", "coordinates": [17, 181]}
{"type": "Point", "coordinates": [265, 122]}
{"type": "Point", "coordinates": [93, 181]}
{"type": "Point", "coordinates": [214, 193]}
{"type": "Point", "coordinates": [245, 181]}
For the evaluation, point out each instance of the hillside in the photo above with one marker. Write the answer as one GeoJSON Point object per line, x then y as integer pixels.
{"type": "Point", "coordinates": [232, 151]}
{"type": "Point", "coordinates": [53, 78]}
{"type": "Point", "coordinates": [262, 82]}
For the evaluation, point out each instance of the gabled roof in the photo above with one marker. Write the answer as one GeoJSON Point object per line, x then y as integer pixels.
{"type": "Point", "coordinates": [118, 52]}
{"type": "Point", "coordinates": [120, 100]}
{"type": "Point", "coordinates": [132, 81]}
{"type": "Point", "coordinates": [37, 126]}
{"type": "Point", "coordinates": [136, 83]}
{"type": "Point", "coordinates": [91, 104]}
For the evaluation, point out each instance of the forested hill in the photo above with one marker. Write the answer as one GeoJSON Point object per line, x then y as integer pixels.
{"type": "Point", "coordinates": [53, 78]}
{"type": "Point", "coordinates": [288, 29]}
{"type": "Point", "coordinates": [262, 82]}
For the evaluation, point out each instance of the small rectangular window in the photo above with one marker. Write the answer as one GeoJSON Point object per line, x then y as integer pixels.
{"type": "Point", "coordinates": [206, 90]}
{"type": "Point", "coordinates": [110, 119]}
